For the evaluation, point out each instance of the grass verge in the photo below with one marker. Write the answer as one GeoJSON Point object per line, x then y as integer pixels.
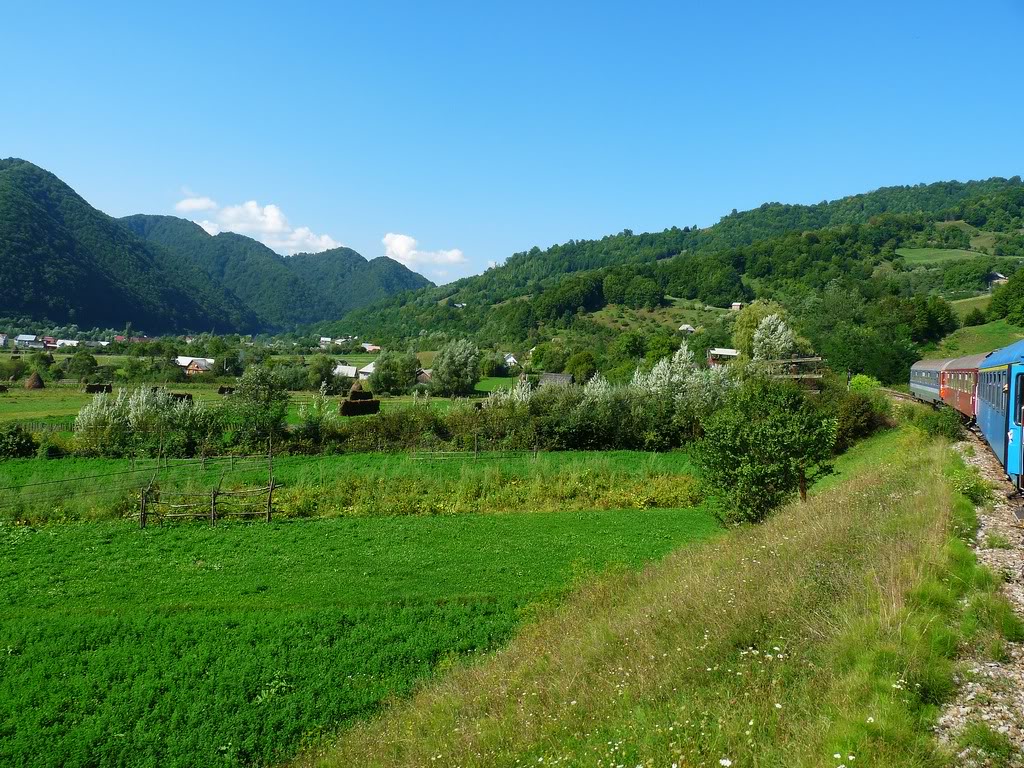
{"type": "Point", "coordinates": [197, 646]}
{"type": "Point", "coordinates": [825, 636]}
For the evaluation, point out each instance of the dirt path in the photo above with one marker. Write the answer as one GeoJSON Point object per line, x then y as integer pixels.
{"type": "Point", "coordinates": [992, 692]}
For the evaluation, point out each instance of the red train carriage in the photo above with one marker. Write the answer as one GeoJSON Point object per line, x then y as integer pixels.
{"type": "Point", "coordinates": [958, 384]}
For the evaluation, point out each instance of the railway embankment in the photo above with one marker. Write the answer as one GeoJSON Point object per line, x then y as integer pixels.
{"type": "Point", "coordinates": [991, 692]}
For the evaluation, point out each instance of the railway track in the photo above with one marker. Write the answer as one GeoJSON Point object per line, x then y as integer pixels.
{"type": "Point", "coordinates": [899, 395]}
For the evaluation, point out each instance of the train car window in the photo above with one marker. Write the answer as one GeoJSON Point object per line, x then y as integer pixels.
{"type": "Point", "coordinates": [1018, 400]}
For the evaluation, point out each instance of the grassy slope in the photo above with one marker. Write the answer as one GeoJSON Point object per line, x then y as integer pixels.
{"type": "Point", "coordinates": [916, 256]}
{"type": "Point", "coordinates": [964, 306]}
{"type": "Point", "coordinates": [669, 317]}
{"type": "Point", "coordinates": [977, 339]}
{"type": "Point", "coordinates": [197, 646]}
{"type": "Point", "coordinates": [826, 630]}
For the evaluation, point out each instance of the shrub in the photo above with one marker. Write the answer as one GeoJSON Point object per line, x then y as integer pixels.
{"type": "Point", "coordinates": [764, 445]}
{"type": "Point", "coordinates": [16, 443]}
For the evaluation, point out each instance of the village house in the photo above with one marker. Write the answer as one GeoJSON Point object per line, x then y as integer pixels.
{"type": "Point", "coordinates": [28, 341]}
{"type": "Point", "coordinates": [736, 306]}
{"type": "Point", "coordinates": [370, 347]}
{"type": "Point", "coordinates": [555, 379]}
{"type": "Point", "coordinates": [194, 365]}
{"type": "Point", "coordinates": [325, 342]}
{"type": "Point", "coordinates": [199, 365]}
{"type": "Point", "coordinates": [424, 375]}
{"type": "Point", "coordinates": [367, 371]}
{"type": "Point", "coordinates": [510, 360]}
{"type": "Point", "coordinates": [64, 343]}
{"type": "Point", "coordinates": [721, 355]}
{"type": "Point", "coordinates": [346, 371]}
{"type": "Point", "coordinates": [687, 329]}
{"type": "Point", "coordinates": [3, 339]}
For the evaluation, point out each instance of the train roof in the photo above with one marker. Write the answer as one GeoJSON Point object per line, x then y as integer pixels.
{"type": "Point", "coordinates": [968, 362]}
{"type": "Point", "coordinates": [1011, 354]}
{"type": "Point", "coordinates": [931, 365]}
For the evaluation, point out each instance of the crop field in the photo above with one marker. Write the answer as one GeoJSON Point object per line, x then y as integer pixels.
{"type": "Point", "coordinates": [62, 404]}
{"type": "Point", "coordinates": [978, 338]}
{"type": "Point", "coordinates": [357, 485]}
{"type": "Point", "coordinates": [916, 256]}
{"type": "Point", "coordinates": [670, 317]}
{"type": "Point", "coordinates": [197, 646]}
{"type": "Point", "coordinates": [963, 307]}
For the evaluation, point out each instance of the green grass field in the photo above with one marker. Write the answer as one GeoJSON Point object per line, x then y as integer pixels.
{"type": "Point", "coordinates": [357, 485]}
{"type": "Point", "coordinates": [492, 383]}
{"type": "Point", "coordinates": [197, 646]}
{"type": "Point", "coordinates": [963, 307]}
{"type": "Point", "coordinates": [921, 256]}
{"type": "Point", "coordinates": [977, 339]}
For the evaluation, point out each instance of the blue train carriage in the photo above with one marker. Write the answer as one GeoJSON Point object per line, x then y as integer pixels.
{"type": "Point", "coordinates": [1000, 406]}
{"type": "Point", "coordinates": [924, 379]}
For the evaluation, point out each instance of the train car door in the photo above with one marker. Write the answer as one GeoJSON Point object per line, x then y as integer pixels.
{"type": "Point", "coordinates": [1015, 407]}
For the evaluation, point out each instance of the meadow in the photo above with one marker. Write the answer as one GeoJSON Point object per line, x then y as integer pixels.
{"type": "Point", "coordinates": [919, 256]}
{"type": "Point", "coordinates": [975, 339]}
{"type": "Point", "coordinates": [196, 646]}
{"type": "Point", "coordinates": [356, 485]}
{"type": "Point", "coordinates": [963, 307]}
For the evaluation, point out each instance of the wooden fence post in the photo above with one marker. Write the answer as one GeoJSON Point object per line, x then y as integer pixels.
{"type": "Point", "coordinates": [270, 499]}
{"type": "Point", "coordinates": [142, 508]}
{"type": "Point", "coordinates": [476, 446]}
{"type": "Point", "coordinates": [213, 507]}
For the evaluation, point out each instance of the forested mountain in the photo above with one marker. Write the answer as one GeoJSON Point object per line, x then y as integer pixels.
{"type": "Point", "coordinates": [350, 281]}
{"type": "Point", "coordinates": [65, 261]}
{"type": "Point", "coordinates": [498, 297]}
{"type": "Point", "coordinates": [847, 286]}
{"type": "Point", "coordinates": [283, 291]}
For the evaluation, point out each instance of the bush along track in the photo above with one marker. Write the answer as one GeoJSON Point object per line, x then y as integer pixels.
{"type": "Point", "coordinates": [985, 722]}
{"type": "Point", "coordinates": [828, 634]}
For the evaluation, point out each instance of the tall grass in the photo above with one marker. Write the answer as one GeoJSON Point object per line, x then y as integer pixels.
{"type": "Point", "coordinates": [823, 637]}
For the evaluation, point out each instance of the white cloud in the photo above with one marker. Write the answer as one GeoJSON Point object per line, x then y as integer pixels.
{"type": "Point", "coordinates": [402, 248]}
{"type": "Point", "coordinates": [190, 204]}
{"type": "Point", "coordinates": [266, 223]}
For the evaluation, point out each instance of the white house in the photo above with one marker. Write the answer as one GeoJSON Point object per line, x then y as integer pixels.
{"type": "Point", "coordinates": [348, 371]}
{"type": "Point", "coordinates": [686, 328]}
{"type": "Point", "coordinates": [510, 360]}
{"type": "Point", "coordinates": [736, 306]}
{"type": "Point", "coordinates": [62, 343]}
{"type": "Point", "coordinates": [367, 371]}
{"type": "Point", "coordinates": [721, 356]}
{"type": "Point", "coordinates": [370, 347]}
{"type": "Point", "coordinates": [325, 341]}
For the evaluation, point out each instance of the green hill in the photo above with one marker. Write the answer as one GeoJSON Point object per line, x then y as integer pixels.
{"type": "Point", "coordinates": [64, 261]}
{"type": "Point", "coordinates": [282, 291]}
{"type": "Point", "coordinates": [708, 264]}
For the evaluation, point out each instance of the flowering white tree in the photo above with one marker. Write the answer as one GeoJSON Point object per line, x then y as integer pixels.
{"type": "Point", "coordinates": [773, 339]}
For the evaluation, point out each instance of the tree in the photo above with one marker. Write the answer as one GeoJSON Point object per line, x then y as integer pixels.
{"type": "Point", "coordinates": [748, 320]}
{"type": "Point", "coordinates": [456, 369]}
{"type": "Point", "coordinates": [82, 365]}
{"type": "Point", "coordinates": [582, 366]}
{"type": "Point", "coordinates": [975, 317]}
{"type": "Point", "coordinates": [394, 373]}
{"type": "Point", "coordinates": [773, 339]}
{"type": "Point", "coordinates": [321, 374]}
{"type": "Point", "coordinates": [259, 407]}
{"type": "Point", "coordinates": [763, 446]}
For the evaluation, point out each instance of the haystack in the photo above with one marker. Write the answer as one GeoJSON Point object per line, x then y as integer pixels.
{"type": "Point", "coordinates": [35, 381]}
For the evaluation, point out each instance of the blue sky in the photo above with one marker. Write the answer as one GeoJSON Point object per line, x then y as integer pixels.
{"type": "Point", "coordinates": [469, 131]}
